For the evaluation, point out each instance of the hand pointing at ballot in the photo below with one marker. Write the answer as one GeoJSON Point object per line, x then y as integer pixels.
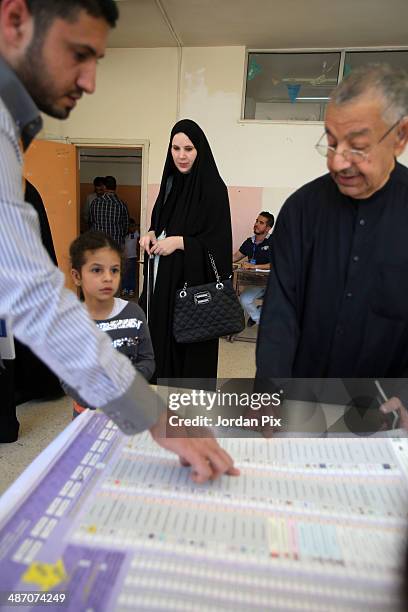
{"type": "Point", "coordinates": [207, 459]}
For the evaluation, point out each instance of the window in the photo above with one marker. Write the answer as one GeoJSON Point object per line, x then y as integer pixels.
{"type": "Point", "coordinates": [354, 59]}
{"type": "Point", "coordinates": [296, 86]}
{"type": "Point", "coordinates": [292, 86]}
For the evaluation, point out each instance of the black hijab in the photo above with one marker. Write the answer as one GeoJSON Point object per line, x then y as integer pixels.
{"type": "Point", "coordinates": [197, 205]}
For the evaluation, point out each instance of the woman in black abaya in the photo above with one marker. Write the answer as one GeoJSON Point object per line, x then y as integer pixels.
{"type": "Point", "coordinates": [191, 217]}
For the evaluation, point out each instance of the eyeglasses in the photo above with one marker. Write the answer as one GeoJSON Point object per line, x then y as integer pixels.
{"type": "Point", "coordinates": [351, 155]}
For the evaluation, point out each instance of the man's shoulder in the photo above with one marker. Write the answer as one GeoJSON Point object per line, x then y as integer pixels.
{"type": "Point", "coordinates": [401, 174]}
{"type": "Point", "coordinates": [6, 121]}
{"type": "Point", "coordinates": [319, 185]}
{"type": "Point", "coordinates": [8, 130]}
{"type": "Point", "coordinates": [311, 195]}
{"type": "Point", "coordinates": [95, 201]}
{"type": "Point", "coordinates": [114, 197]}
{"type": "Point", "coordinates": [247, 242]}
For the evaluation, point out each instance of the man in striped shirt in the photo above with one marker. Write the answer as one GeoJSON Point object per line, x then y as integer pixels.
{"type": "Point", "coordinates": [48, 55]}
{"type": "Point", "coordinates": [109, 214]}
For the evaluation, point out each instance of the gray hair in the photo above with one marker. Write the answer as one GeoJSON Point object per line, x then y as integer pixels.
{"type": "Point", "coordinates": [390, 84]}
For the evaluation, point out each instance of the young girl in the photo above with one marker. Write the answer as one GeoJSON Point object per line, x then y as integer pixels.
{"type": "Point", "coordinates": [96, 262]}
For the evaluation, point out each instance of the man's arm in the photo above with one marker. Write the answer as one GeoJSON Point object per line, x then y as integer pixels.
{"type": "Point", "coordinates": [237, 256]}
{"type": "Point", "coordinates": [145, 355]}
{"type": "Point", "coordinates": [125, 219]}
{"type": "Point", "coordinates": [248, 266]}
{"type": "Point", "coordinates": [91, 212]}
{"type": "Point", "coordinates": [50, 319]}
{"type": "Point", "coordinates": [278, 334]}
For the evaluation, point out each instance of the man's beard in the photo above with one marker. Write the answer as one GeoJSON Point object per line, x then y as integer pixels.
{"type": "Point", "coordinates": [34, 75]}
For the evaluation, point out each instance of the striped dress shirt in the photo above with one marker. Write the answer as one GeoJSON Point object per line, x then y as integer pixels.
{"type": "Point", "coordinates": [44, 315]}
{"type": "Point", "coordinates": [109, 214]}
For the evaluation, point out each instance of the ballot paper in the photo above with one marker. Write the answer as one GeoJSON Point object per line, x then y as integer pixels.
{"type": "Point", "coordinates": [315, 524]}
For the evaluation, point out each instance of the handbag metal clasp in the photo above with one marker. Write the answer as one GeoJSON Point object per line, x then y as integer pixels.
{"type": "Point", "coordinates": [202, 297]}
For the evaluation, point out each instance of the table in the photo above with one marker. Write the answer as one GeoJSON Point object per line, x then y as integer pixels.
{"type": "Point", "coordinates": [242, 277]}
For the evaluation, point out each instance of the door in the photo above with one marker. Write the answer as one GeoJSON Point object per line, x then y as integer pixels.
{"type": "Point", "coordinates": [52, 168]}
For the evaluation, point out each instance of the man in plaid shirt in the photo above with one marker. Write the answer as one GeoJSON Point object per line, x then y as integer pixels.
{"type": "Point", "coordinates": [109, 214]}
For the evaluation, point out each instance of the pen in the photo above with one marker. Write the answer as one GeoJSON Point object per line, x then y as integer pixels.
{"type": "Point", "coordinates": [385, 398]}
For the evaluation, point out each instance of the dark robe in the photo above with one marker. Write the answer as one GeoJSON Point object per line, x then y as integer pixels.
{"type": "Point", "coordinates": [33, 379]}
{"type": "Point", "coordinates": [26, 377]}
{"type": "Point", "coordinates": [336, 304]}
{"type": "Point", "coordinates": [197, 208]}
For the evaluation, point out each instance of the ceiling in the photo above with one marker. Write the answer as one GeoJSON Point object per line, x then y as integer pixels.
{"type": "Point", "coordinates": [261, 24]}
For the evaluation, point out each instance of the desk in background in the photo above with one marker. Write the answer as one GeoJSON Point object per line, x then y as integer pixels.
{"type": "Point", "coordinates": [115, 522]}
{"type": "Point", "coordinates": [246, 278]}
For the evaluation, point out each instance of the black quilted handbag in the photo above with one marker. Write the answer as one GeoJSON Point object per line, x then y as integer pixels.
{"type": "Point", "coordinates": [207, 311]}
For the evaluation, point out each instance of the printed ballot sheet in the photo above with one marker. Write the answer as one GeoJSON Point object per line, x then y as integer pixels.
{"type": "Point", "coordinates": [116, 524]}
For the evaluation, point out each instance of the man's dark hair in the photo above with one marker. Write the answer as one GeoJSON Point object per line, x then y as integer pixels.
{"type": "Point", "coordinates": [110, 183]}
{"type": "Point", "coordinates": [269, 217]}
{"type": "Point", "coordinates": [99, 181]}
{"type": "Point", "coordinates": [45, 11]}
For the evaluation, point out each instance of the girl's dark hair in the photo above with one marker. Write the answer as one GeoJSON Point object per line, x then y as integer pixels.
{"type": "Point", "coordinates": [91, 241]}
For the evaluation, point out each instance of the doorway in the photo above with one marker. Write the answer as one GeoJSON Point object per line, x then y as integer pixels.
{"type": "Point", "coordinates": [125, 164]}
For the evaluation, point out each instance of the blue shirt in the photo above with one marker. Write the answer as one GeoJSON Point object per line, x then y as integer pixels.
{"type": "Point", "coordinates": [259, 251]}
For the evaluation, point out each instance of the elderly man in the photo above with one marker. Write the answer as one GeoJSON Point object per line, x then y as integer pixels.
{"type": "Point", "coordinates": [48, 55]}
{"type": "Point", "coordinates": [336, 304]}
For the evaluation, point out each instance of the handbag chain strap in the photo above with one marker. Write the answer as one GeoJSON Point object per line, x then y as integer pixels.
{"type": "Point", "coordinates": [214, 267]}
{"type": "Point", "coordinates": [219, 284]}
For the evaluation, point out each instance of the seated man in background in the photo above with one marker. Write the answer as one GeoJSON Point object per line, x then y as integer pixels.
{"type": "Point", "coordinates": [256, 250]}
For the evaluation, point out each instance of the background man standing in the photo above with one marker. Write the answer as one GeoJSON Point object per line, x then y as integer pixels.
{"type": "Point", "coordinates": [109, 214]}
{"type": "Point", "coordinates": [99, 189]}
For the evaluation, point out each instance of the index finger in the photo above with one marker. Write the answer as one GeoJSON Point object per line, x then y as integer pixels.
{"type": "Point", "coordinates": [201, 469]}
{"type": "Point", "coordinates": [221, 461]}
{"type": "Point", "coordinates": [217, 458]}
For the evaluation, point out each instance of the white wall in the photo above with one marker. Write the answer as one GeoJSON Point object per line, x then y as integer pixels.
{"type": "Point", "coordinates": [126, 173]}
{"type": "Point", "coordinates": [136, 98]}
{"type": "Point", "coordinates": [250, 153]}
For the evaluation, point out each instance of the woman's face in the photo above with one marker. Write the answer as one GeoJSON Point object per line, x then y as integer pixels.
{"type": "Point", "coordinates": [183, 152]}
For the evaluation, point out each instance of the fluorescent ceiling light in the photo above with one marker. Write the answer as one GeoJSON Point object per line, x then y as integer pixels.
{"type": "Point", "coordinates": [311, 98]}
